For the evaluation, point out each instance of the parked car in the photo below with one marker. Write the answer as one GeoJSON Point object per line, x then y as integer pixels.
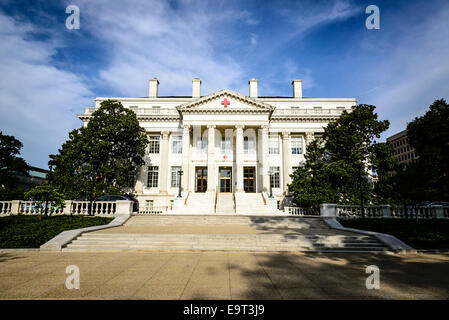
{"type": "Point", "coordinates": [439, 203]}
{"type": "Point", "coordinates": [115, 197]}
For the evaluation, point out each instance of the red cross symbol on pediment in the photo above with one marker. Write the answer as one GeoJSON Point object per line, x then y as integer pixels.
{"type": "Point", "coordinates": [225, 102]}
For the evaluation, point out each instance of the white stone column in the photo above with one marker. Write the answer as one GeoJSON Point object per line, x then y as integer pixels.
{"type": "Point", "coordinates": [164, 162]}
{"type": "Point", "coordinates": [211, 158]}
{"type": "Point", "coordinates": [264, 160]}
{"type": "Point", "coordinates": [286, 160]}
{"type": "Point", "coordinates": [239, 157]}
{"type": "Point", "coordinates": [185, 157]}
{"type": "Point", "coordinates": [140, 179]}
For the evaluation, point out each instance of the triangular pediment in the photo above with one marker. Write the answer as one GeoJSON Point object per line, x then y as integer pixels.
{"type": "Point", "coordinates": [225, 100]}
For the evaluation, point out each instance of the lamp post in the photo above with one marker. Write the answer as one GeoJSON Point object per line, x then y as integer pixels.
{"type": "Point", "coordinates": [180, 172]}
{"type": "Point", "coordinates": [271, 173]}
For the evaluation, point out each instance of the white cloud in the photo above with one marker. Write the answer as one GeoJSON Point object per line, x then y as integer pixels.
{"type": "Point", "coordinates": [36, 98]}
{"type": "Point", "coordinates": [149, 39]}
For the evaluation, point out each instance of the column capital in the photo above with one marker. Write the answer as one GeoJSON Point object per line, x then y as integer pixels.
{"type": "Point", "coordinates": [265, 127]}
{"type": "Point", "coordinates": [211, 126]}
{"type": "Point", "coordinates": [239, 126]}
{"type": "Point", "coordinates": [165, 134]}
{"type": "Point", "coordinates": [186, 126]}
{"type": "Point", "coordinates": [285, 134]}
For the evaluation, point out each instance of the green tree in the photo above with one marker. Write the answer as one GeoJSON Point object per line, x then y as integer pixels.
{"type": "Point", "coordinates": [429, 135]}
{"type": "Point", "coordinates": [11, 167]}
{"type": "Point", "coordinates": [44, 196]}
{"type": "Point", "coordinates": [100, 157]}
{"type": "Point", "coordinates": [336, 168]}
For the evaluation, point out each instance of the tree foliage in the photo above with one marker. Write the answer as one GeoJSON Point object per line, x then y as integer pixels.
{"type": "Point", "coordinates": [11, 166]}
{"type": "Point", "coordinates": [336, 167]}
{"type": "Point", "coordinates": [429, 135]}
{"type": "Point", "coordinates": [101, 157]}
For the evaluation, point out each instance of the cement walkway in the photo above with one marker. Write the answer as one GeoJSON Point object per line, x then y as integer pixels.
{"type": "Point", "coordinates": [40, 275]}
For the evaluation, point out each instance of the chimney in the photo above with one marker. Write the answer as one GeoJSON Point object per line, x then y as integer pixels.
{"type": "Point", "coordinates": [154, 84]}
{"type": "Point", "coordinates": [252, 88]}
{"type": "Point", "coordinates": [297, 88]}
{"type": "Point", "coordinates": [196, 88]}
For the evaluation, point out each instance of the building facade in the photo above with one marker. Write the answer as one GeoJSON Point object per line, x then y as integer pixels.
{"type": "Point", "coordinates": [227, 145]}
{"type": "Point", "coordinates": [403, 152]}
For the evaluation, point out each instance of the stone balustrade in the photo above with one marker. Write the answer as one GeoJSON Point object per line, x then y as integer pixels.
{"type": "Point", "coordinates": [70, 207]}
{"type": "Point", "coordinates": [300, 211]}
{"type": "Point", "coordinates": [331, 210]}
{"type": "Point", "coordinates": [302, 112]}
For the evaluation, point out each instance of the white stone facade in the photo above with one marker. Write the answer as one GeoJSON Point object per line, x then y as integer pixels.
{"type": "Point", "coordinates": [250, 137]}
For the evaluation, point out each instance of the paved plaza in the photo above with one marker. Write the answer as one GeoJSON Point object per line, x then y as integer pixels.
{"type": "Point", "coordinates": [222, 275]}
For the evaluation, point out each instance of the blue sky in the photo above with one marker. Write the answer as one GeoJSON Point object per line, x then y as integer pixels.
{"type": "Point", "coordinates": [48, 73]}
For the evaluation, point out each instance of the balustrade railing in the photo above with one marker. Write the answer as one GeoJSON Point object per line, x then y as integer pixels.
{"type": "Point", "coordinates": [98, 208]}
{"type": "Point", "coordinates": [289, 112]}
{"type": "Point", "coordinates": [352, 211]}
{"type": "Point", "coordinates": [5, 207]}
{"type": "Point", "coordinates": [300, 211]}
{"type": "Point", "coordinates": [33, 207]}
{"type": "Point", "coordinates": [154, 210]}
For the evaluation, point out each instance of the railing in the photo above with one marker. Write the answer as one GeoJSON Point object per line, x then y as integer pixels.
{"type": "Point", "coordinates": [98, 208]}
{"type": "Point", "coordinates": [352, 211]}
{"type": "Point", "coordinates": [154, 210]}
{"type": "Point", "coordinates": [385, 211]}
{"type": "Point", "coordinates": [300, 211]}
{"type": "Point", "coordinates": [145, 111]}
{"type": "Point", "coordinates": [33, 207]}
{"type": "Point", "coordinates": [5, 207]}
{"type": "Point", "coordinates": [300, 112]}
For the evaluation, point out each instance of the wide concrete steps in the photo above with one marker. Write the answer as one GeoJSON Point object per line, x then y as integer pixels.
{"type": "Point", "coordinates": [283, 221]}
{"type": "Point", "coordinates": [221, 242]}
{"type": "Point", "coordinates": [225, 203]}
{"type": "Point", "coordinates": [198, 203]}
{"type": "Point", "coordinates": [252, 203]}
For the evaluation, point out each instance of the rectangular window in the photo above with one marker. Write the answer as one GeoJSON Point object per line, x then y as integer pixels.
{"type": "Point", "coordinates": [131, 181]}
{"type": "Point", "coordinates": [154, 144]}
{"type": "Point", "coordinates": [177, 144]}
{"type": "Point", "coordinates": [273, 144]}
{"type": "Point", "coordinates": [225, 145]}
{"type": "Point", "coordinates": [149, 204]}
{"type": "Point", "coordinates": [175, 177]}
{"type": "Point", "coordinates": [274, 178]}
{"type": "Point", "coordinates": [248, 145]}
{"type": "Point", "coordinates": [296, 143]}
{"type": "Point", "coordinates": [201, 145]}
{"type": "Point", "coordinates": [153, 177]}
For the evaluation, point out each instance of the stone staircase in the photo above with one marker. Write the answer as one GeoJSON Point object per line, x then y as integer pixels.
{"type": "Point", "coordinates": [252, 203]}
{"type": "Point", "coordinates": [198, 203]}
{"type": "Point", "coordinates": [225, 203]}
{"type": "Point", "coordinates": [223, 233]}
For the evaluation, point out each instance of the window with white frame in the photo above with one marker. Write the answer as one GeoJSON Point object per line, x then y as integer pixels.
{"type": "Point", "coordinates": [225, 145]}
{"type": "Point", "coordinates": [177, 144]}
{"type": "Point", "coordinates": [273, 142]}
{"type": "Point", "coordinates": [274, 177]}
{"type": "Point", "coordinates": [296, 144]}
{"type": "Point", "coordinates": [248, 145]}
{"type": "Point", "coordinates": [153, 177]}
{"type": "Point", "coordinates": [201, 145]}
{"type": "Point", "coordinates": [154, 144]}
{"type": "Point", "coordinates": [175, 176]}
{"type": "Point", "coordinates": [149, 204]}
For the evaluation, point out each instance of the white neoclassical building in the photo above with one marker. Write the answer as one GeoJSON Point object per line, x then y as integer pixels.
{"type": "Point", "coordinates": [235, 152]}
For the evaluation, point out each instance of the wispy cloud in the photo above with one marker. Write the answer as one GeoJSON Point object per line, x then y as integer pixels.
{"type": "Point", "coordinates": [36, 99]}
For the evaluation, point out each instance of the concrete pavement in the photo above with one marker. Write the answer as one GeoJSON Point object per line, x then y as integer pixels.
{"type": "Point", "coordinates": [222, 275]}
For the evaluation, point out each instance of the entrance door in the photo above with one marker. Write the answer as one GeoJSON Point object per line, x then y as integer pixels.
{"type": "Point", "coordinates": [201, 179]}
{"type": "Point", "coordinates": [225, 179]}
{"type": "Point", "coordinates": [249, 180]}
